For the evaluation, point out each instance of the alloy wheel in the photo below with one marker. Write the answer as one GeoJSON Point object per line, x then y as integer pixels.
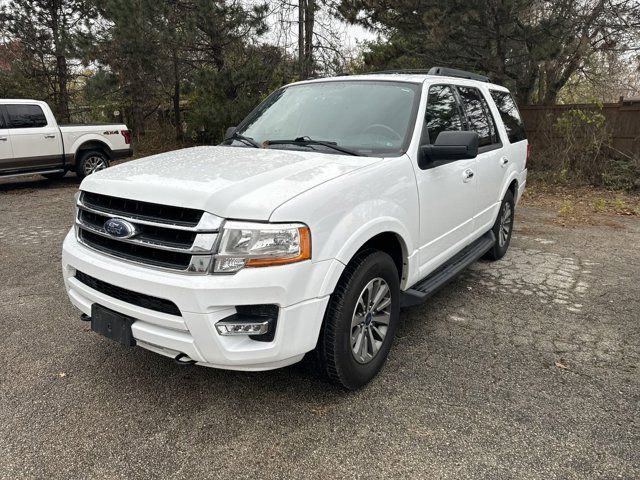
{"type": "Point", "coordinates": [93, 164]}
{"type": "Point", "coordinates": [370, 320]}
{"type": "Point", "coordinates": [504, 230]}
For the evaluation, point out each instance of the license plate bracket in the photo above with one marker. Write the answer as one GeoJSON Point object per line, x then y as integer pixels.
{"type": "Point", "coordinates": [112, 325]}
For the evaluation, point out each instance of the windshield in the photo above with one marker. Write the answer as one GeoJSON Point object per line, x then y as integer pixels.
{"type": "Point", "coordinates": [370, 117]}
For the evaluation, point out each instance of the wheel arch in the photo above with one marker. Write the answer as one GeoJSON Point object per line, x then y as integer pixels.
{"type": "Point", "coordinates": [93, 145]}
{"type": "Point", "coordinates": [389, 237]}
{"type": "Point", "coordinates": [511, 184]}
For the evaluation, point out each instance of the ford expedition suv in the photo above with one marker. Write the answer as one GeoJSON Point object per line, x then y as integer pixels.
{"type": "Point", "coordinates": [332, 205]}
{"type": "Point", "coordinates": [31, 142]}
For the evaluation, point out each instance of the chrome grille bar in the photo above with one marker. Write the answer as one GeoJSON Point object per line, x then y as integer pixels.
{"type": "Point", "coordinates": [208, 222]}
{"type": "Point", "coordinates": [157, 242]}
{"type": "Point", "coordinates": [203, 243]}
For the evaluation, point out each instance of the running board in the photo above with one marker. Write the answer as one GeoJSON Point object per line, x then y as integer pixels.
{"type": "Point", "coordinates": [29, 174]}
{"type": "Point", "coordinates": [426, 287]}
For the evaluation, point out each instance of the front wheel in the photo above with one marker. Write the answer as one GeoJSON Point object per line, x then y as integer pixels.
{"type": "Point", "coordinates": [90, 162]}
{"type": "Point", "coordinates": [503, 228]}
{"type": "Point", "coordinates": [360, 320]}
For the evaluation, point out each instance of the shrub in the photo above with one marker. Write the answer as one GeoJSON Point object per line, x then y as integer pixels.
{"type": "Point", "coordinates": [576, 147]}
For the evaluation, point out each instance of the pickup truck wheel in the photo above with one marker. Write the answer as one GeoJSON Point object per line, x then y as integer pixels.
{"type": "Point", "coordinates": [360, 320]}
{"type": "Point", "coordinates": [503, 228]}
{"type": "Point", "coordinates": [90, 162]}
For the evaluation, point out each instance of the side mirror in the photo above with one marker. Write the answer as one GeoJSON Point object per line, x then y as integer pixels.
{"type": "Point", "coordinates": [448, 147]}
{"type": "Point", "coordinates": [229, 133]}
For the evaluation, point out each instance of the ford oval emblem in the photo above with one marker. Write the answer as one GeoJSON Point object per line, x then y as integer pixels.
{"type": "Point", "coordinates": [119, 228]}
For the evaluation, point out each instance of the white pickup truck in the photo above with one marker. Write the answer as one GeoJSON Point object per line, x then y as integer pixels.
{"type": "Point", "coordinates": [333, 204]}
{"type": "Point", "coordinates": [31, 142]}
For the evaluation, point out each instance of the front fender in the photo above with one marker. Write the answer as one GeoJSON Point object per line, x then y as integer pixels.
{"type": "Point", "coordinates": [344, 213]}
{"type": "Point", "coordinates": [352, 242]}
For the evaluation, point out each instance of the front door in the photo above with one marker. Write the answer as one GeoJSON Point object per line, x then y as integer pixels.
{"type": "Point", "coordinates": [36, 141]}
{"type": "Point", "coordinates": [447, 192]}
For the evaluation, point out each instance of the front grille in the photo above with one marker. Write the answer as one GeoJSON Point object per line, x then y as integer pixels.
{"type": "Point", "coordinates": [149, 233]}
{"type": "Point", "coordinates": [139, 299]}
{"type": "Point", "coordinates": [142, 210]}
{"type": "Point", "coordinates": [130, 251]}
{"type": "Point", "coordinates": [167, 237]}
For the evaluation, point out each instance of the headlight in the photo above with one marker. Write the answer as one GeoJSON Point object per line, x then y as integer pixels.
{"type": "Point", "coordinates": [246, 244]}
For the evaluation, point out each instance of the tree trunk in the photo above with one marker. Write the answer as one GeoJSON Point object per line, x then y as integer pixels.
{"type": "Point", "coordinates": [176, 97]}
{"type": "Point", "coordinates": [57, 30]}
{"type": "Point", "coordinates": [309, 22]}
{"type": "Point", "coordinates": [301, 38]}
{"type": "Point", "coordinates": [63, 93]}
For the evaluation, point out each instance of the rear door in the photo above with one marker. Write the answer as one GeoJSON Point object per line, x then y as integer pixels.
{"type": "Point", "coordinates": [35, 139]}
{"type": "Point", "coordinates": [516, 147]}
{"type": "Point", "coordinates": [447, 192]}
{"type": "Point", "coordinates": [491, 163]}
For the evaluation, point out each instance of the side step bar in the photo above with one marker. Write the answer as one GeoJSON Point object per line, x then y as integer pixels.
{"type": "Point", "coordinates": [28, 174]}
{"type": "Point", "coordinates": [426, 287]}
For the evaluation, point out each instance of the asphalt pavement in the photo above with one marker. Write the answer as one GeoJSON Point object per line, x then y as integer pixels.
{"type": "Point", "coordinates": [523, 368]}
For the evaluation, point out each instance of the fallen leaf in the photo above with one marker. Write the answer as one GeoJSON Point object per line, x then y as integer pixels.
{"type": "Point", "coordinates": [561, 365]}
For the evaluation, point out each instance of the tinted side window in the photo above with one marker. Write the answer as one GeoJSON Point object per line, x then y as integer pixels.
{"type": "Point", "coordinates": [442, 112]}
{"type": "Point", "coordinates": [479, 115]}
{"type": "Point", "coordinates": [510, 115]}
{"type": "Point", "coordinates": [25, 116]}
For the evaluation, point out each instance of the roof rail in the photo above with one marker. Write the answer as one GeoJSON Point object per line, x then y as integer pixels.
{"type": "Point", "coordinates": [406, 71]}
{"type": "Point", "coordinates": [453, 72]}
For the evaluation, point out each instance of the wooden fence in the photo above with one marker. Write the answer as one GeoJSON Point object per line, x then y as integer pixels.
{"type": "Point", "coordinates": [622, 120]}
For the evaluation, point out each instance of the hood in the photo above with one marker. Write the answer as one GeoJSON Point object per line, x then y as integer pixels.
{"type": "Point", "coordinates": [231, 182]}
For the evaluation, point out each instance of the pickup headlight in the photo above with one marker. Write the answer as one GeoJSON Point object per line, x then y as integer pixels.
{"type": "Point", "coordinates": [245, 244]}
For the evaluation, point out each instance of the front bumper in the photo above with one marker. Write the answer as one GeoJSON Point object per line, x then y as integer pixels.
{"type": "Point", "coordinates": [203, 301]}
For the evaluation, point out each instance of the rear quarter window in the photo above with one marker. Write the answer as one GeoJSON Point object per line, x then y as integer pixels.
{"type": "Point", "coordinates": [25, 116]}
{"type": "Point", "coordinates": [510, 115]}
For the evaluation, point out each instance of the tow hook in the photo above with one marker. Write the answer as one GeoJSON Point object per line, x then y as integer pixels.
{"type": "Point", "coordinates": [85, 318]}
{"type": "Point", "coordinates": [184, 360]}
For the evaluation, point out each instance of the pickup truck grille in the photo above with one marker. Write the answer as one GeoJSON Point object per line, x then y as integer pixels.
{"type": "Point", "coordinates": [164, 236]}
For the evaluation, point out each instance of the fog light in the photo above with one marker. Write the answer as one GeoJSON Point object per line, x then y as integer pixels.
{"type": "Point", "coordinates": [231, 327]}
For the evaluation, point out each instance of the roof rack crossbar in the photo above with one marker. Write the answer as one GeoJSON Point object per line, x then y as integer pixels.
{"type": "Point", "coordinates": [406, 71]}
{"type": "Point", "coordinates": [453, 72]}
{"type": "Point", "coordinates": [440, 71]}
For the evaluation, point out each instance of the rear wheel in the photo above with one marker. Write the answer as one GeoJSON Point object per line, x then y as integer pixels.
{"type": "Point", "coordinates": [90, 162]}
{"type": "Point", "coordinates": [360, 321]}
{"type": "Point", "coordinates": [503, 228]}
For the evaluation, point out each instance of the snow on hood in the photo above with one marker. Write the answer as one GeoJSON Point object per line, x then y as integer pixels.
{"type": "Point", "coordinates": [232, 182]}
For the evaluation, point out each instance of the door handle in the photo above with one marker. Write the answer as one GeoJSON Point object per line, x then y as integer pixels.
{"type": "Point", "coordinates": [504, 161]}
{"type": "Point", "coordinates": [49, 136]}
{"type": "Point", "coordinates": [467, 175]}
{"type": "Point", "coordinates": [3, 139]}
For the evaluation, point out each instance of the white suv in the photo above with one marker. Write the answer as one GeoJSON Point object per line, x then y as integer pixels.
{"type": "Point", "coordinates": [332, 205]}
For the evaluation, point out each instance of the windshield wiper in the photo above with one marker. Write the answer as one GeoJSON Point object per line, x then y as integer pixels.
{"type": "Point", "coordinates": [306, 141]}
{"type": "Point", "coordinates": [246, 140]}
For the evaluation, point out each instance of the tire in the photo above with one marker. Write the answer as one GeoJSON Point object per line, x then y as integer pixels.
{"type": "Point", "coordinates": [335, 356]}
{"type": "Point", "coordinates": [54, 176]}
{"type": "Point", "coordinates": [90, 162]}
{"type": "Point", "coordinates": [503, 228]}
